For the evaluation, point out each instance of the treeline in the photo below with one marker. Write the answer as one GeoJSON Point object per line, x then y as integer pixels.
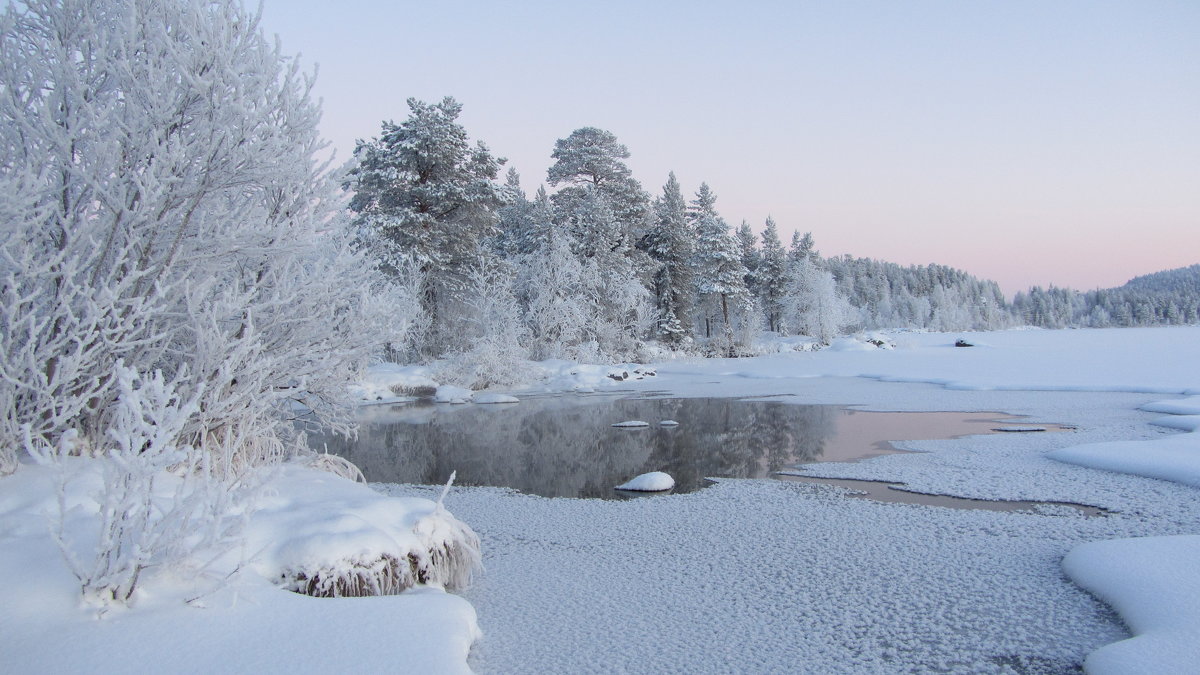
{"type": "Point", "coordinates": [600, 269]}
{"type": "Point", "coordinates": [1171, 297]}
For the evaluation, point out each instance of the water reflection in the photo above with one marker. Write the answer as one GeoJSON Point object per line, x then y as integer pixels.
{"type": "Point", "coordinates": [566, 446]}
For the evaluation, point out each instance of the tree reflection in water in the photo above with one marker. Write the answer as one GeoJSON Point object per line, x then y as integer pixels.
{"type": "Point", "coordinates": [567, 447]}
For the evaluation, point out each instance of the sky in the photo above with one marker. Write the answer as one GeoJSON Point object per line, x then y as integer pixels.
{"type": "Point", "coordinates": [1032, 143]}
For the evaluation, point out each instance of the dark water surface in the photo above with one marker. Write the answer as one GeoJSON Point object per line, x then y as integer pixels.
{"type": "Point", "coordinates": [566, 446]}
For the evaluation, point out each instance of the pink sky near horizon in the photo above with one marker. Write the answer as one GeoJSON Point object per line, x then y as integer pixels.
{"type": "Point", "coordinates": [1028, 143]}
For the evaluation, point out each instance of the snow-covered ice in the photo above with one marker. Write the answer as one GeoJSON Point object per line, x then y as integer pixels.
{"type": "Point", "coordinates": [654, 481]}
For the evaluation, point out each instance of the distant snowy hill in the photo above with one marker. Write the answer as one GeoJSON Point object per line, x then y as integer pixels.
{"type": "Point", "coordinates": [1171, 297]}
{"type": "Point", "coordinates": [1182, 280]}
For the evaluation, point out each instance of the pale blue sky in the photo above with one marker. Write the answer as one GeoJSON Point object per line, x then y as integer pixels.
{"type": "Point", "coordinates": [1026, 142]}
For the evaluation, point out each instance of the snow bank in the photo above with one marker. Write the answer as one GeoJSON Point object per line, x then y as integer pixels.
{"type": "Point", "coordinates": [1152, 582]}
{"type": "Point", "coordinates": [217, 606]}
{"type": "Point", "coordinates": [391, 383]}
{"type": "Point", "coordinates": [322, 535]}
{"type": "Point", "coordinates": [1149, 360]}
{"type": "Point", "coordinates": [1175, 457]}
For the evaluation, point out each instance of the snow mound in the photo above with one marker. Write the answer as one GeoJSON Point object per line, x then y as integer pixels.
{"type": "Point", "coordinates": [322, 535]}
{"type": "Point", "coordinates": [1174, 458]}
{"type": "Point", "coordinates": [390, 382]}
{"type": "Point", "coordinates": [668, 423]}
{"type": "Point", "coordinates": [1183, 406]}
{"type": "Point", "coordinates": [1152, 583]}
{"type": "Point", "coordinates": [655, 481]}
{"type": "Point", "coordinates": [631, 424]}
{"type": "Point", "coordinates": [448, 393]}
{"type": "Point", "coordinates": [496, 398]}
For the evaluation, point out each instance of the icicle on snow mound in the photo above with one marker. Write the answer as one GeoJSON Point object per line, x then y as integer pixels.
{"type": "Point", "coordinates": [655, 481]}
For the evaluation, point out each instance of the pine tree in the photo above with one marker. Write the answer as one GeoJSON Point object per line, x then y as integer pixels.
{"type": "Point", "coordinates": [720, 274]}
{"type": "Point", "coordinates": [592, 159]}
{"type": "Point", "coordinates": [670, 242]}
{"type": "Point", "coordinates": [772, 275]}
{"type": "Point", "coordinates": [751, 257]}
{"type": "Point", "coordinates": [423, 192]}
{"type": "Point", "coordinates": [516, 226]}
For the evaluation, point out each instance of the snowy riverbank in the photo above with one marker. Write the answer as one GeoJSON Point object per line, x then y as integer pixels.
{"type": "Point", "coordinates": [773, 576]}
{"type": "Point", "coordinates": [752, 575]}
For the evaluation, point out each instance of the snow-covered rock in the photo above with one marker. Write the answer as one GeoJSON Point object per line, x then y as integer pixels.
{"type": "Point", "coordinates": [655, 481]}
{"type": "Point", "coordinates": [668, 423]}
{"type": "Point", "coordinates": [631, 424]}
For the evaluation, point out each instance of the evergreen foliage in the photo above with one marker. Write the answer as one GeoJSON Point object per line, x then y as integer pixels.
{"type": "Point", "coordinates": [422, 192]}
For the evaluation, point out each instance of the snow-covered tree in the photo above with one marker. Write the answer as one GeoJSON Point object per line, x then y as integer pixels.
{"type": "Point", "coordinates": [670, 242]}
{"type": "Point", "coordinates": [812, 305]}
{"type": "Point", "coordinates": [165, 213]}
{"type": "Point", "coordinates": [558, 309]}
{"type": "Point", "coordinates": [747, 243]}
{"type": "Point", "coordinates": [423, 192]}
{"type": "Point", "coordinates": [720, 274]}
{"type": "Point", "coordinates": [772, 275]}
{"type": "Point", "coordinates": [592, 160]}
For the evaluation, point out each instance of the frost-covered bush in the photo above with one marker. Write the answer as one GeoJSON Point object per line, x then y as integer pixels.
{"type": "Point", "coordinates": [159, 500]}
{"type": "Point", "coordinates": [165, 208]}
{"type": "Point", "coordinates": [497, 354]}
{"type": "Point", "coordinates": [165, 212]}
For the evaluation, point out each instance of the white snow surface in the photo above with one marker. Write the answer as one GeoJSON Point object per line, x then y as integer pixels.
{"type": "Point", "coordinates": [655, 481]}
{"type": "Point", "coordinates": [241, 621]}
{"type": "Point", "coordinates": [1153, 583]}
{"type": "Point", "coordinates": [747, 575]}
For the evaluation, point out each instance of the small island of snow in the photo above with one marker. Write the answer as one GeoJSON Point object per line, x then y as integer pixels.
{"type": "Point", "coordinates": [655, 481]}
{"type": "Point", "coordinates": [631, 424]}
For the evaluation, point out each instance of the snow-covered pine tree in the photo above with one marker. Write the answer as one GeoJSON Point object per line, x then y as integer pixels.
{"type": "Point", "coordinates": [772, 275]}
{"type": "Point", "coordinates": [423, 192]}
{"type": "Point", "coordinates": [612, 280]}
{"type": "Point", "coordinates": [802, 247]}
{"type": "Point", "coordinates": [593, 159]}
{"type": "Point", "coordinates": [720, 274]}
{"type": "Point", "coordinates": [516, 224]}
{"type": "Point", "coordinates": [670, 243]}
{"type": "Point", "coordinates": [751, 257]}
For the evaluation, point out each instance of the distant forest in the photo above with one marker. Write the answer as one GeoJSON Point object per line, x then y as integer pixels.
{"type": "Point", "coordinates": [599, 268]}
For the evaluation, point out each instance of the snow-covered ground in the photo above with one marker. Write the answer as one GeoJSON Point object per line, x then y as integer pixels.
{"type": "Point", "coordinates": [772, 576]}
{"type": "Point", "coordinates": [752, 576]}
